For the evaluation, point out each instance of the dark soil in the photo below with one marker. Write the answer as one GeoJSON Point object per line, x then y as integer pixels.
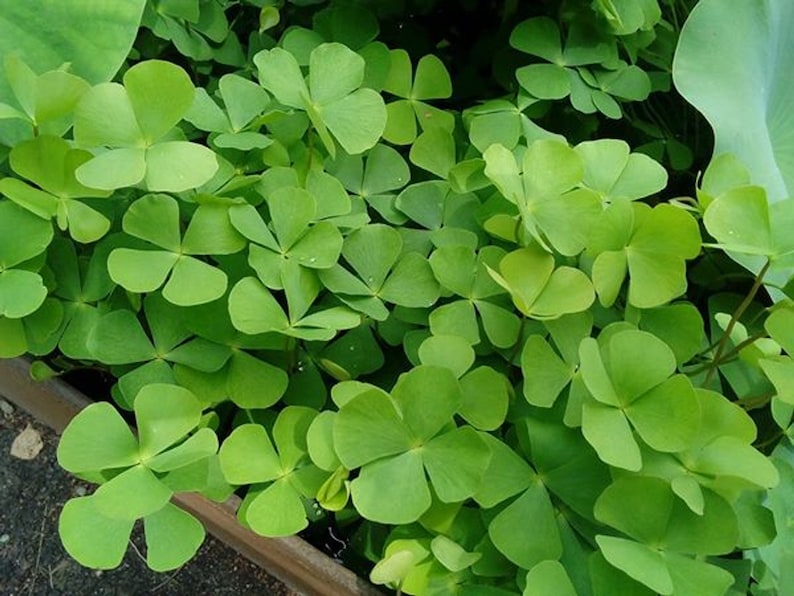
{"type": "Point", "coordinates": [33, 562]}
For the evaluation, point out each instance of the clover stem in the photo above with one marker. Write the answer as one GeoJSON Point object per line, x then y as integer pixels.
{"type": "Point", "coordinates": [310, 143]}
{"type": "Point", "coordinates": [734, 351]}
{"type": "Point", "coordinates": [759, 279]}
{"type": "Point", "coordinates": [756, 401]}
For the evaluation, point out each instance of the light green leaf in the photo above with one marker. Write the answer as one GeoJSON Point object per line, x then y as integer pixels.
{"type": "Point", "coordinates": [91, 538]}
{"type": "Point", "coordinates": [134, 493]}
{"type": "Point", "coordinates": [667, 417]}
{"type": "Point", "coordinates": [544, 81]}
{"type": "Point", "coordinates": [400, 126]}
{"type": "Point", "coordinates": [50, 162]}
{"type": "Point", "coordinates": [780, 326]}
{"type": "Point", "coordinates": [507, 474]}
{"type": "Point", "coordinates": [154, 218]}
{"type": "Point", "coordinates": [105, 118]}
{"type": "Point", "coordinates": [194, 282]}
{"type": "Point", "coordinates": [647, 510]}
{"type": "Point", "coordinates": [254, 383]}
{"type": "Point", "coordinates": [176, 166]}
{"type": "Point", "coordinates": [549, 578]}
{"type": "Point", "coordinates": [280, 74]}
{"type": "Point", "coordinates": [527, 550]}
{"type": "Point", "coordinates": [34, 200]}
{"type": "Point", "coordinates": [485, 398]}
{"type": "Point", "coordinates": [630, 351]}
{"type": "Point", "coordinates": [616, 173]}
{"type": "Point", "coordinates": [164, 414]}
{"type": "Point", "coordinates": [457, 319]}
{"type": "Point", "coordinates": [13, 341]}
{"type": "Point", "coordinates": [291, 209]}
{"type": "Point", "coordinates": [21, 293]}
{"type": "Point", "coordinates": [276, 511]}
{"type": "Point", "coordinates": [540, 37]}
{"type": "Point", "coordinates": [455, 462]}
{"type": "Point", "coordinates": [173, 537]}
{"type": "Point", "coordinates": [107, 34]}
{"type": "Point", "coordinates": [244, 100]}
{"type": "Point", "coordinates": [428, 396]}
{"type": "Point", "coordinates": [356, 120]}
{"type": "Point", "coordinates": [85, 224]}
{"type": "Point", "coordinates": [201, 445]}
{"type": "Point", "coordinates": [97, 439]}
{"type": "Point", "coordinates": [656, 243]}
{"type": "Point", "coordinates": [235, 456]}
{"type": "Point", "coordinates": [608, 431]}
{"type": "Point", "coordinates": [450, 351]}
{"type": "Point", "coordinates": [540, 291]}
{"type": "Point", "coordinates": [545, 373]}
{"type": "Point", "coordinates": [639, 561]}
{"type": "Point", "coordinates": [407, 496]}
{"type": "Point", "coordinates": [431, 80]}
{"type": "Point", "coordinates": [160, 94]}
{"type": "Point", "coordinates": [119, 338]}
{"type": "Point", "coordinates": [334, 72]}
{"type": "Point", "coordinates": [253, 309]}
{"type": "Point", "coordinates": [451, 555]}
{"type": "Point", "coordinates": [117, 168]}
{"type": "Point", "coordinates": [140, 271]}
{"type": "Point", "coordinates": [320, 442]}
{"type": "Point", "coordinates": [434, 151]}
{"type": "Point", "coordinates": [372, 251]}
{"type": "Point", "coordinates": [22, 235]}
{"type": "Point", "coordinates": [369, 427]}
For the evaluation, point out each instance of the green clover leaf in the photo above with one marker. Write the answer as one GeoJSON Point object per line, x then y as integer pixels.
{"type": "Point", "coordinates": [384, 171]}
{"type": "Point", "coordinates": [22, 237]}
{"type": "Point", "coordinates": [155, 219]}
{"type": "Point", "coordinates": [50, 163]}
{"type": "Point", "coordinates": [664, 528]}
{"type": "Point", "coordinates": [282, 476]}
{"type": "Point", "coordinates": [650, 245]}
{"type": "Point", "coordinates": [539, 290]}
{"type": "Point", "coordinates": [237, 125]}
{"type": "Point", "coordinates": [46, 102]}
{"type": "Point", "coordinates": [99, 444]}
{"type": "Point", "coordinates": [431, 81]}
{"type": "Point", "coordinates": [384, 273]}
{"type": "Point", "coordinates": [118, 337]}
{"type": "Point", "coordinates": [131, 122]}
{"type": "Point", "coordinates": [462, 271]}
{"type": "Point", "coordinates": [636, 390]}
{"type": "Point", "coordinates": [547, 189]}
{"type": "Point", "coordinates": [296, 238]}
{"type": "Point", "coordinates": [333, 99]}
{"type": "Point", "coordinates": [403, 437]}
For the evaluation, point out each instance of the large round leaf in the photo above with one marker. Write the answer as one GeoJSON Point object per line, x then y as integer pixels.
{"type": "Point", "coordinates": [733, 63]}
{"type": "Point", "coordinates": [94, 36]}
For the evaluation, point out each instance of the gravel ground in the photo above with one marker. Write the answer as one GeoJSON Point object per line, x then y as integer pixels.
{"type": "Point", "coordinates": [33, 562]}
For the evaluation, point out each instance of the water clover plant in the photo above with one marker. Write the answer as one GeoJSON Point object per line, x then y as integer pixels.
{"type": "Point", "coordinates": [333, 98]}
{"type": "Point", "coordinates": [473, 289]}
{"type": "Point", "coordinates": [132, 123]}
{"type": "Point", "coordinates": [134, 478]}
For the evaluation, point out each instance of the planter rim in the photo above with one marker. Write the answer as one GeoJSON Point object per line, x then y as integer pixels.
{"type": "Point", "coordinates": [292, 560]}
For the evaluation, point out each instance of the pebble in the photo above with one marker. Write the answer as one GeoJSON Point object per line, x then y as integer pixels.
{"type": "Point", "coordinates": [6, 408]}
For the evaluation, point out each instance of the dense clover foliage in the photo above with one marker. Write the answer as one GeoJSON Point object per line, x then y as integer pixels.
{"type": "Point", "coordinates": [448, 279]}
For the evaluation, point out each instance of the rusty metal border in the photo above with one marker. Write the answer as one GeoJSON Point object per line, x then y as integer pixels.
{"type": "Point", "coordinates": [292, 560]}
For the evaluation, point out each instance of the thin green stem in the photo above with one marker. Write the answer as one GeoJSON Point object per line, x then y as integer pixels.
{"type": "Point", "coordinates": [748, 300]}
{"type": "Point", "coordinates": [729, 355]}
